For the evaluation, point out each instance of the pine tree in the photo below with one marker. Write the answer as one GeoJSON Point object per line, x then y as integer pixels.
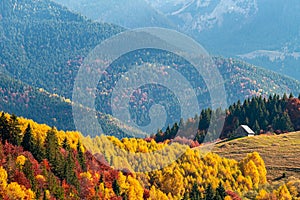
{"type": "Point", "coordinates": [284, 97]}
{"type": "Point", "coordinates": [174, 130]}
{"type": "Point", "coordinates": [53, 154]}
{"type": "Point", "coordinates": [276, 123]}
{"type": "Point", "coordinates": [38, 150]}
{"type": "Point", "coordinates": [264, 124]}
{"type": "Point", "coordinates": [195, 193]}
{"type": "Point", "coordinates": [28, 140]}
{"type": "Point", "coordinates": [66, 144]}
{"type": "Point", "coordinates": [279, 108]}
{"type": "Point", "coordinates": [116, 187]}
{"type": "Point", "coordinates": [246, 104]}
{"type": "Point", "coordinates": [287, 123]}
{"type": "Point", "coordinates": [256, 127]}
{"type": "Point", "coordinates": [54, 186]}
{"type": "Point", "coordinates": [209, 193]}
{"type": "Point", "coordinates": [51, 146]}
{"type": "Point", "coordinates": [182, 124]}
{"type": "Point", "coordinates": [200, 137]}
{"type": "Point", "coordinates": [220, 192]}
{"type": "Point", "coordinates": [159, 136]}
{"type": "Point", "coordinates": [102, 180]}
{"type": "Point", "coordinates": [81, 157]}
{"type": "Point", "coordinates": [125, 196]}
{"type": "Point", "coordinates": [69, 170]}
{"type": "Point", "coordinates": [15, 133]}
{"type": "Point", "coordinates": [247, 120]}
{"type": "Point", "coordinates": [283, 123]}
{"type": "Point", "coordinates": [186, 196]}
{"type": "Point", "coordinates": [205, 119]}
{"type": "Point", "coordinates": [29, 173]}
{"type": "Point", "coordinates": [45, 195]}
{"type": "Point", "coordinates": [4, 128]}
{"type": "Point", "coordinates": [167, 133]}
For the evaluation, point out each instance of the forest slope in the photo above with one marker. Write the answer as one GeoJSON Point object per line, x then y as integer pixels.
{"type": "Point", "coordinates": [39, 162]}
{"type": "Point", "coordinates": [43, 107]}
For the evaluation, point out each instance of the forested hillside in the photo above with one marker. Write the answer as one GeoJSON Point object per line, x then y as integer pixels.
{"type": "Point", "coordinates": [38, 104]}
{"type": "Point", "coordinates": [44, 107]}
{"type": "Point", "coordinates": [263, 115]}
{"type": "Point", "coordinates": [43, 44]}
{"type": "Point", "coordinates": [39, 162]}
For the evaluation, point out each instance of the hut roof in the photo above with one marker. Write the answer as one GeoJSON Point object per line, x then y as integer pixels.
{"type": "Point", "coordinates": [247, 129]}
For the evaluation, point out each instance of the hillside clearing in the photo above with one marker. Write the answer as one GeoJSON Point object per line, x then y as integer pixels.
{"type": "Point", "coordinates": [280, 152]}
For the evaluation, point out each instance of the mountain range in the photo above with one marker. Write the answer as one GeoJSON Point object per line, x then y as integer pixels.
{"type": "Point", "coordinates": [264, 33]}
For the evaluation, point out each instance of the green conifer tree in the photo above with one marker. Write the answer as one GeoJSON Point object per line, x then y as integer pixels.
{"type": "Point", "coordinates": [220, 192]}
{"type": "Point", "coordinates": [29, 173]}
{"type": "Point", "coordinates": [15, 134]}
{"type": "Point", "coordinates": [4, 128]}
{"type": "Point", "coordinates": [81, 157]}
{"type": "Point", "coordinates": [28, 140]}
{"type": "Point", "coordinates": [209, 193]}
{"type": "Point", "coordinates": [256, 127]}
{"type": "Point", "coordinates": [51, 146]}
{"type": "Point", "coordinates": [38, 150]}
{"type": "Point", "coordinates": [186, 196]}
{"type": "Point", "coordinates": [116, 187]}
{"type": "Point", "coordinates": [195, 193]}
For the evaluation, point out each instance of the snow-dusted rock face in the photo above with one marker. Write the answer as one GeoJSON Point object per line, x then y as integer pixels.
{"type": "Point", "coordinates": [201, 15]}
{"type": "Point", "coordinates": [262, 32]}
{"type": "Point", "coordinates": [127, 13]}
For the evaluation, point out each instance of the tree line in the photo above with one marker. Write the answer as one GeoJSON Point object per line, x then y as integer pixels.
{"type": "Point", "coordinates": [275, 114]}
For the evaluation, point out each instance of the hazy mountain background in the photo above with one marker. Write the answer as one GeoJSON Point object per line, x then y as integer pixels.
{"type": "Point", "coordinates": [264, 32]}
{"type": "Point", "coordinates": [129, 13]}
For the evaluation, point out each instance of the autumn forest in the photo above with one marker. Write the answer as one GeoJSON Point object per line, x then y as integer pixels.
{"type": "Point", "coordinates": [243, 145]}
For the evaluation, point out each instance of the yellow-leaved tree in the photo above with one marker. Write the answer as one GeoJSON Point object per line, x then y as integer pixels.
{"type": "Point", "coordinates": [3, 181]}
{"type": "Point", "coordinates": [254, 167]}
{"type": "Point", "coordinates": [283, 193]}
{"type": "Point", "coordinates": [172, 180]}
{"type": "Point", "coordinates": [16, 191]}
{"type": "Point", "coordinates": [156, 194]}
{"type": "Point", "coordinates": [130, 187]}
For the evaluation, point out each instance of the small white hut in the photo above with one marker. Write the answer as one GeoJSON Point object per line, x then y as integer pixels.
{"type": "Point", "coordinates": [244, 131]}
